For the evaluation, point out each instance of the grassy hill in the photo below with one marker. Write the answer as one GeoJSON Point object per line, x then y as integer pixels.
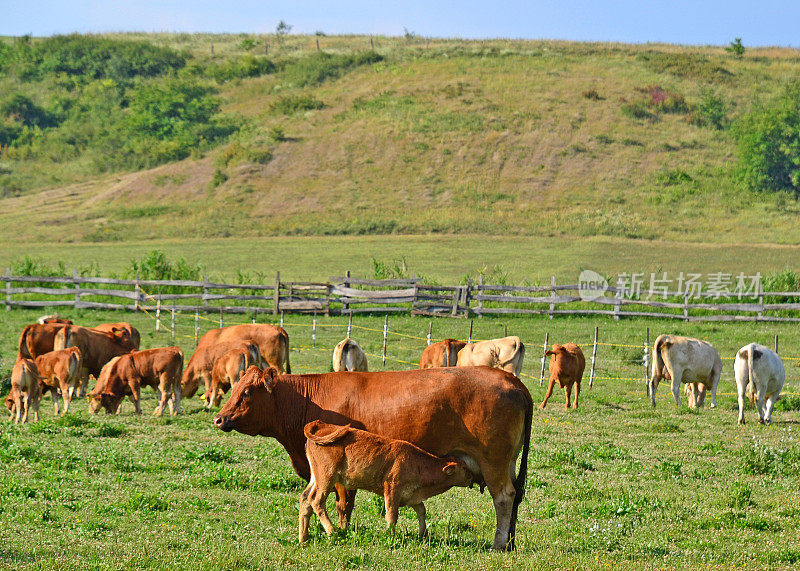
{"type": "Point", "coordinates": [539, 139]}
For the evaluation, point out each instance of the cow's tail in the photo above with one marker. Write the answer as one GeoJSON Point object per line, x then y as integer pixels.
{"type": "Point", "coordinates": [448, 344]}
{"type": "Point", "coordinates": [752, 355]}
{"type": "Point", "coordinates": [338, 356]}
{"type": "Point", "coordinates": [286, 348]}
{"type": "Point", "coordinates": [519, 482]}
{"type": "Point", "coordinates": [23, 352]}
{"type": "Point", "coordinates": [74, 363]}
{"type": "Point", "coordinates": [658, 366]}
{"type": "Point", "coordinates": [325, 434]}
{"type": "Point", "coordinates": [517, 356]}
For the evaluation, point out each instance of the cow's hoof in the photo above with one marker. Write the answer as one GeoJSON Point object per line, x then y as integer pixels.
{"type": "Point", "coordinates": [541, 406]}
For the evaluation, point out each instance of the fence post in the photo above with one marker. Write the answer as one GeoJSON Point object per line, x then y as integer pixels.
{"type": "Point", "coordinates": [686, 307]}
{"type": "Point", "coordinates": [158, 313]}
{"type": "Point", "coordinates": [220, 318]}
{"type": "Point", "coordinates": [385, 336]}
{"type": "Point", "coordinates": [467, 297]}
{"type": "Point", "coordinates": [544, 357]}
{"type": "Point", "coordinates": [776, 342]}
{"type": "Point", "coordinates": [327, 300]}
{"type": "Point", "coordinates": [349, 325]}
{"type": "Point", "coordinates": [646, 358]}
{"type": "Point", "coordinates": [480, 301]}
{"type": "Point", "coordinates": [205, 294]}
{"type": "Point", "coordinates": [617, 302]}
{"type": "Point", "coordinates": [173, 321]}
{"type": "Point", "coordinates": [276, 299]}
{"type": "Point", "coordinates": [430, 331]}
{"type": "Point", "coordinates": [760, 302]}
{"type": "Point", "coordinates": [594, 358]}
{"type": "Point", "coordinates": [469, 338]}
{"type": "Point", "coordinates": [456, 294]}
{"type": "Point", "coordinates": [552, 295]}
{"type": "Point", "coordinates": [281, 319]}
{"type": "Point", "coordinates": [255, 314]}
{"type": "Point", "coordinates": [345, 305]}
{"type": "Point", "coordinates": [506, 330]}
{"type": "Point", "coordinates": [8, 289]}
{"type": "Point", "coordinates": [196, 326]}
{"type": "Point", "coordinates": [77, 288]}
{"type": "Point", "coordinates": [138, 292]}
{"type": "Point", "coordinates": [314, 332]}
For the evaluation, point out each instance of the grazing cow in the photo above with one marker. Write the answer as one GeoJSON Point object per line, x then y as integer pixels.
{"type": "Point", "coordinates": [24, 393]}
{"type": "Point", "coordinates": [201, 364]}
{"type": "Point", "coordinates": [272, 341]}
{"type": "Point", "coordinates": [404, 474]}
{"type": "Point", "coordinates": [348, 356]}
{"type": "Point", "coordinates": [566, 367]}
{"type": "Point", "coordinates": [53, 319]}
{"type": "Point", "coordinates": [759, 372]}
{"type": "Point", "coordinates": [441, 354]}
{"type": "Point", "coordinates": [97, 348]}
{"type": "Point", "coordinates": [685, 360]}
{"type": "Point", "coordinates": [125, 375]}
{"type": "Point", "coordinates": [228, 369]}
{"type": "Point", "coordinates": [37, 339]}
{"type": "Point", "coordinates": [112, 328]}
{"type": "Point", "coordinates": [506, 353]}
{"type": "Point", "coordinates": [479, 414]}
{"type": "Point", "coordinates": [60, 371]}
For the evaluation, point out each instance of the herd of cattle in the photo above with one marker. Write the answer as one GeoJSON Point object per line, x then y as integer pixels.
{"type": "Point", "coordinates": [462, 419]}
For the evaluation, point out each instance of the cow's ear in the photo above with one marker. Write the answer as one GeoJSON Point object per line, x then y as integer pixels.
{"type": "Point", "coordinates": [450, 468]}
{"type": "Point", "coordinates": [268, 378]}
{"type": "Point", "coordinates": [548, 352]}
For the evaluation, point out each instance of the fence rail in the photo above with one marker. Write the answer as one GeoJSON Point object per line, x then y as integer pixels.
{"type": "Point", "coordinates": [345, 296]}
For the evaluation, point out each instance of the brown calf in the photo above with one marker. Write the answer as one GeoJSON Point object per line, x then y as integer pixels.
{"type": "Point", "coordinates": [566, 367]}
{"type": "Point", "coordinates": [227, 370]}
{"type": "Point", "coordinates": [124, 376]}
{"type": "Point", "coordinates": [201, 364]}
{"type": "Point", "coordinates": [402, 473]}
{"type": "Point", "coordinates": [60, 370]}
{"type": "Point", "coordinates": [24, 391]}
{"type": "Point", "coordinates": [441, 354]}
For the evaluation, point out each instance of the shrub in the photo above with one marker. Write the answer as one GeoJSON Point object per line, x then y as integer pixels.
{"type": "Point", "coordinates": [277, 134]}
{"type": "Point", "coordinates": [711, 111]}
{"type": "Point", "coordinates": [239, 68]}
{"type": "Point", "coordinates": [736, 48]}
{"type": "Point", "coordinates": [692, 66]}
{"type": "Point", "coordinates": [769, 144]}
{"type": "Point", "coordinates": [23, 110]}
{"type": "Point", "coordinates": [290, 104]}
{"type": "Point", "coordinates": [156, 266]}
{"type": "Point", "coordinates": [316, 68]}
{"type": "Point", "coordinates": [592, 94]}
{"type": "Point", "coordinates": [218, 178]}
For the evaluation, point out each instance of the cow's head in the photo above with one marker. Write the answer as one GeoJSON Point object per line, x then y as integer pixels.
{"type": "Point", "coordinates": [252, 405]}
{"type": "Point", "coordinates": [10, 404]}
{"type": "Point", "coordinates": [107, 401]}
{"type": "Point", "coordinates": [557, 349]}
{"type": "Point", "coordinates": [457, 473]}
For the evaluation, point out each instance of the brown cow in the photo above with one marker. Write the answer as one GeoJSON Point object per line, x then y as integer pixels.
{"type": "Point", "coordinates": [24, 393]}
{"type": "Point", "coordinates": [479, 414]}
{"type": "Point", "coordinates": [441, 354]}
{"type": "Point", "coordinates": [125, 375]}
{"type": "Point", "coordinates": [272, 341]}
{"type": "Point", "coordinates": [97, 348]}
{"type": "Point", "coordinates": [53, 319]}
{"type": "Point", "coordinates": [60, 370]}
{"type": "Point", "coordinates": [506, 353]}
{"type": "Point", "coordinates": [402, 473]}
{"type": "Point", "coordinates": [112, 328]}
{"type": "Point", "coordinates": [201, 365]}
{"type": "Point", "coordinates": [228, 369]}
{"type": "Point", "coordinates": [37, 339]}
{"type": "Point", "coordinates": [566, 366]}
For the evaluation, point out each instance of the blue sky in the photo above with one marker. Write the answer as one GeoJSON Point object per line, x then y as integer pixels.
{"type": "Point", "coordinates": [763, 23]}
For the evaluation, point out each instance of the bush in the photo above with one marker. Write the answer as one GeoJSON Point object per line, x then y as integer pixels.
{"type": "Point", "coordinates": [291, 104]}
{"type": "Point", "coordinates": [246, 66]}
{"type": "Point", "coordinates": [23, 110]}
{"type": "Point", "coordinates": [711, 111]}
{"type": "Point", "coordinates": [769, 144]}
{"type": "Point", "coordinates": [316, 68]}
{"type": "Point", "coordinates": [156, 266]}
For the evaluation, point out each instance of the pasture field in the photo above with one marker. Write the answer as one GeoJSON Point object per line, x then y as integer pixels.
{"type": "Point", "coordinates": [445, 259]}
{"type": "Point", "coordinates": [614, 483]}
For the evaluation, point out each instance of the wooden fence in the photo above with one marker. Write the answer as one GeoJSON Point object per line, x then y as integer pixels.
{"type": "Point", "coordinates": [344, 295]}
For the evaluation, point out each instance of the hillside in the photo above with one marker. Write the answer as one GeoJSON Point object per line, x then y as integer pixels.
{"type": "Point", "coordinates": [447, 136]}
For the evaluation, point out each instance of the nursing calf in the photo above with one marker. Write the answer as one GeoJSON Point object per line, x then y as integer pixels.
{"type": "Point", "coordinates": [402, 473]}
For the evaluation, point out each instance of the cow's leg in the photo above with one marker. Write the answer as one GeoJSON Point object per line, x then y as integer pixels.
{"type": "Point", "coordinates": [164, 394]}
{"type": "Point", "coordinates": [501, 488]}
{"type": "Point", "coordinates": [760, 397]}
{"type": "Point", "coordinates": [423, 528]}
{"type": "Point", "coordinates": [577, 392]}
{"type": "Point", "coordinates": [771, 400]}
{"type": "Point", "coordinates": [548, 393]}
{"type": "Point", "coordinates": [676, 375]}
{"type": "Point", "coordinates": [135, 397]}
{"type": "Point", "coordinates": [392, 506]}
{"type": "Point", "coordinates": [715, 375]}
{"type": "Point", "coordinates": [26, 402]}
{"type": "Point", "coordinates": [345, 502]}
{"type": "Point", "coordinates": [175, 400]}
{"type": "Point", "coordinates": [740, 389]}
{"type": "Point", "coordinates": [568, 393]}
{"type": "Point", "coordinates": [305, 511]}
{"type": "Point", "coordinates": [652, 387]}
{"type": "Point", "coordinates": [84, 382]}
{"type": "Point", "coordinates": [55, 397]}
{"type": "Point", "coordinates": [317, 499]}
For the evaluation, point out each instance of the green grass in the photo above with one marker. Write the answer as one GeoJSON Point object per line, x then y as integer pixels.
{"type": "Point", "coordinates": [613, 483]}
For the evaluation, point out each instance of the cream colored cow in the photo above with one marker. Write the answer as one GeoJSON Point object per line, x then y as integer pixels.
{"type": "Point", "coordinates": [506, 353]}
{"type": "Point", "coordinates": [348, 356]}
{"type": "Point", "coordinates": [760, 374]}
{"type": "Point", "coordinates": [686, 360]}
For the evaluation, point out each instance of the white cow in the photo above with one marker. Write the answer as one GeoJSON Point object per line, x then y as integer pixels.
{"type": "Point", "coordinates": [348, 356]}
{"type": "Point", "coordinates": [760, 374]}
{"type": "Point", "coordinates": [506, 353]}
{"type": "Point", "coordinates": [686, 360]}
